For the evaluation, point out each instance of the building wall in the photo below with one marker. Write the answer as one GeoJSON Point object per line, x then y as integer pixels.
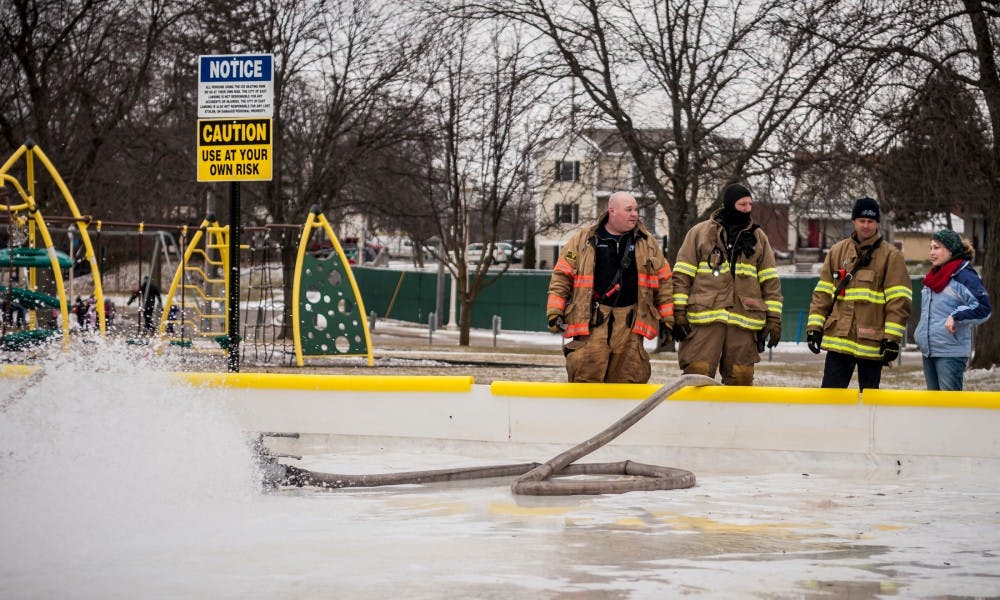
{"type": "Point", "coordinates": [915, 245]}
{"type": "Point", "coordinates": [600, 176]}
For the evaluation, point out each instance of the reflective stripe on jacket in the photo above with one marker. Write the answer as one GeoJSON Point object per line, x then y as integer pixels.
{"type": "Point", "coordinates": [875, 304]}
{"type": "Point", "coordinates": [571, 288]}
{"type": "Point", "coordinates": [743, 295]}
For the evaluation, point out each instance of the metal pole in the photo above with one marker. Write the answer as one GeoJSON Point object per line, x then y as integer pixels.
{"type": "Point", "coordinates": [439, 284]}
{"type": "Point", "coordinates": [234, 277]}
{"type": "Point", "coordinates": [72, 254]}
{"type": "Point", "coordinates": [452, 302]}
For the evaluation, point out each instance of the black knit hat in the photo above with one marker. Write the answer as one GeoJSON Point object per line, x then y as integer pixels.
{"type": "Point", "coordinates": [733, 193]}
{"type": "Point", "coordinates": [866, 208]}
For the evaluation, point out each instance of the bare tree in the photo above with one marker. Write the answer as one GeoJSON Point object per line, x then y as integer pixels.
{"type": "Point", "coordinates": [77, 73]}
{"type": "Point", "coordinates": [491, 105]}
{"type": "Point", "coordinates": [291, 30]}
{"type": "Point", "coordinates": [721, 78]}
{"type": "Point", "coordinates": [939, 163]}
{"type": "Point", "coordinates": [959, 40]}
{"type": "Point", "coordinates": [363, 98]}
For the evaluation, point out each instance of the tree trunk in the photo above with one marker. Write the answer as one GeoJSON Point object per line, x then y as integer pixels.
{"type": "Point", "coordinates": [987, 351]}
{"type": "Point", "coordinates": [465, 321]}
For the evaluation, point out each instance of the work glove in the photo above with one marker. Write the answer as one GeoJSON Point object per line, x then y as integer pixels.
{"type": "Point", "coordinates": [814, 337]}
{"type": "Point", "coordinates": [557, 324]}
{"type": "Point", "coordinates": [665, 337]}
{"type": "Point", "coordinates": [682, 329]}
{"type": "Point", "coordinates": [889, 351]}
{"type": "Point", "coordinates": [771, 331]}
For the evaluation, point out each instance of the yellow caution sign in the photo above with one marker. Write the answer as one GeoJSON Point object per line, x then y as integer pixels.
{"type": "Point", "coordinates": [234, 150]}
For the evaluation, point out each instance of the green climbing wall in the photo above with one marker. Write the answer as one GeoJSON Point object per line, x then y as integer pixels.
{"type": "Point", "coordinates": [329, 319]}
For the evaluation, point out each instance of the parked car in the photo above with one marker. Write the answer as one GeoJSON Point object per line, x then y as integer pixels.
{"type": "Point", "coordinates": [396, 246]}
{"type": "Point", "coordinates": [502, 252]}
{"type": "Point", "coordinates": [517, 256]}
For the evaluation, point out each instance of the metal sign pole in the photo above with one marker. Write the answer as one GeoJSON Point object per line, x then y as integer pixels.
{"type": "Point", "coordinates": [235, 125]}
{"type": "Point", "coordinates": [234, 277]}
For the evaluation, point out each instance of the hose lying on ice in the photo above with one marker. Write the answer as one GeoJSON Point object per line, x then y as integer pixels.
{"type": "Point", "coordinates": [533, 479]}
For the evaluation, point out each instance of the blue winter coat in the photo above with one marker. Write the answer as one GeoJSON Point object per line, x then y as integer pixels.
{"type": "Point", "coordinates": [963, 298]}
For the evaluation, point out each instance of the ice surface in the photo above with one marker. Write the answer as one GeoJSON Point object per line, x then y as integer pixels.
{"type": "Point", "coordinates": [117, 483]}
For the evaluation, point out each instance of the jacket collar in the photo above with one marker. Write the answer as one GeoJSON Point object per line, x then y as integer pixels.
{"type": "Point", "coordinates": [876, 239]}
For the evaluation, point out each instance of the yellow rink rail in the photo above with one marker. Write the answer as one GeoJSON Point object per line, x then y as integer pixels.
{"type": "Point", "coordinates": [318, 383]}
{"type": "Point", "coordinates": [534, 389]}
{"type": "Point", "coordinates": [17, 371]}
{"type": "Point", "coordinates": [609, 391]}
{"type": "Point", "coordinates": [768, 395]}
{"type": "Point", "coordinates": [927, 398]}
{"type": "Point", "coordinates": [639, 391]}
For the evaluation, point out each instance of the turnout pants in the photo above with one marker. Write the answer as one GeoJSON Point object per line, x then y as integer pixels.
{"type": "Point", "coordinates": [611, 353]}
{"type": "Point", "coordinates": [839, 369]}
{"type": "Point", "coordinates": [717, 344]}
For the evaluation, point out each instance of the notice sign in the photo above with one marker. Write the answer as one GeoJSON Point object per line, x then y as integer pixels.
{"type": "Point", "coordinates": [234, 150]}
{"type": "Point", "coordinates": [235, 86]}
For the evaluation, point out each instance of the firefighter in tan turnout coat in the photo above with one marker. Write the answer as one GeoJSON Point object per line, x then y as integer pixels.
{"type": "Point", "coordinates": [609, 290]}
{"type": "Point", "coordinates": [727, 296]}
{"type": "Point", "coordinates": [861, 303]}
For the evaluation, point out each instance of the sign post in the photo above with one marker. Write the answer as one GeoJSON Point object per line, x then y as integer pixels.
{"type": "Point", "coordinates": [235, 115]}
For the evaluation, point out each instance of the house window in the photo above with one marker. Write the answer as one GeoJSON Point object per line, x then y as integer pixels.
{"type": "Point", "coordinates": [649, 217]}
{"type": "Point", "coordinates": [567, 170]}
{"type": "Point", "coordinates": [638, 183]}
{"type": "Point", "coordinates": [567, 213]}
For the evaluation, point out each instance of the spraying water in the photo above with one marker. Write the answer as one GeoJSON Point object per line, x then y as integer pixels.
{"type": "Point", "coordinates": [101, 453]}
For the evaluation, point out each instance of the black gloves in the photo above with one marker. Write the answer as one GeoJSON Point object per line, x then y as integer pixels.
{"type": "Point", "coordinates": [813, 339]}
{"type": "Point", "coordinates": [665, 337]}
{"type": "Point", "coordinates": [557, 324]}
{"type": "Point", "coordinates": [682, 329]}
{"type": "Point", "coordinates": [771, 331]}
{"type": "Point", "coordinates": [889, 351]}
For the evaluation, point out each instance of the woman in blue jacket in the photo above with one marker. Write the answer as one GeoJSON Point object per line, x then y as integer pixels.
{"type": "Point", "coordinates": [953, 301]}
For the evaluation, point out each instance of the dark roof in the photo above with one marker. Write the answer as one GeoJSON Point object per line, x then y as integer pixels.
{"type": "Point", "coordinates": [610, 139]}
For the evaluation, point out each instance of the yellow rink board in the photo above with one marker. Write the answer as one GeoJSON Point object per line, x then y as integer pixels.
{"type": "Point", "coordinates": [610, 391]}
{"type": "Point", "coordinates": [354, 383]}
{"type": "Point", "coordinates": [632, 391]}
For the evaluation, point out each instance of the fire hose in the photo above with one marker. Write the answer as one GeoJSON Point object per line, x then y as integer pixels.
{"type": "Point", "coordinates": [533, 479]}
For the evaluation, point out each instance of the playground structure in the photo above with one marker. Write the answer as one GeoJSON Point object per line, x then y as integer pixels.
{"type": "Point", "coordinates": [35, 225]}
{"type": "Point", "coordinates": [326, 316]}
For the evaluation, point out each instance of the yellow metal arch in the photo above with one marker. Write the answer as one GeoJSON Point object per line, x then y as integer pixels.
{"type": "Point", "coordinates": [316, 219]}
{"type": "Point", "coordinates": [30, 152]}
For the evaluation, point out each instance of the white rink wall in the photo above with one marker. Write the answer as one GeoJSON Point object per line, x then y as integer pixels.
{"type": "Point", "coordinates": [878, 427]}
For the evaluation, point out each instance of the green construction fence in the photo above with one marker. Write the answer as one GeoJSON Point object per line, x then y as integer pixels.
{"type": "Point", "coordinates": [519, 295]}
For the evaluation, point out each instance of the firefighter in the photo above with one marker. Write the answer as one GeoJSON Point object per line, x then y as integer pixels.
{"type": "Point", "coordinates": [727, 295]}
{"type": "Point", "coordinates": [861, 303]}
{"type": "Point", "coordinates": [610, 290]}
